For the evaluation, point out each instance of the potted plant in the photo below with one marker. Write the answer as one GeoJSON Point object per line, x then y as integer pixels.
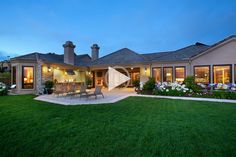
{"type": "Point", "coordinates": [48, 87]}
{"type": "Point", "coordinates": [136, 84]}
{"type": "Point", "coordinates": [89, 82]}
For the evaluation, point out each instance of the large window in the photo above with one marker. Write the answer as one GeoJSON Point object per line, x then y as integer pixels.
{"type": "Point", "coordinates": [14, 75]}
{"type": "Point", "coordinates": [202, 74]}
{"type": "Point", "coordinates": [179, 74]}
{"type": "Point", "coordinates": [222, 74]}
{"type": "Point", "coordinates": [168, 74]}
{"type": "Point", "coordinates": [27, 77]}
{"type": "Point", "coordinates": [234, 73]}
{"type": "Point", "coordinates": [156, 74]}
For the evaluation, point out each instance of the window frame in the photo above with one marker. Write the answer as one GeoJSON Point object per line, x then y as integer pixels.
{"type": "Point", "coordinates": [160, 72]}
{"type": "Point", "coordinates": [213, 73]}
{"type": "Point", "coordinates": [180, 67]}
{"type": "Point", "coordinates": [172, 73]}
{"type": "Point", "coordinates": [14, 74]}
{"type": "Point", "coordinates": [22, 77]}
{"type": "Point", "coordinates": [199, 66]}
{"type": "Point", "coordinates": [235, 73]}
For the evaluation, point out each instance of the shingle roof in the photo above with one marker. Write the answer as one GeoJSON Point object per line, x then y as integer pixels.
{"type": "Point", "coordinates": [122, 56]}
{"type": "Point", "coordinates": [178, 55]}
{"type": "Point", "coordinates": [80, 60]}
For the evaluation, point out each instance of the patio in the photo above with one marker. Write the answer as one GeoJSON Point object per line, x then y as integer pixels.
{"type": "Point", "coordinates": [109, 97]}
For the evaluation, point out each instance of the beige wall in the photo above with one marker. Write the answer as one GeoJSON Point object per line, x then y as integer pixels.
{"type": "Point", "coordinates": [19, 89]}
{"type": "Point", "coordinates": [223, 54]}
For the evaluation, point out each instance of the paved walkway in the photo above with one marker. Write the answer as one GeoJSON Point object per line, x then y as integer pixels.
{"type": "Point", "coordinates": [114, 96]}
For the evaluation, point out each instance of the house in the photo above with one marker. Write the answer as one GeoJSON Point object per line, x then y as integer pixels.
{"type": "Point", "coordinates": [207, 63]}
{"type": "Point", "coordinates": [5, 66]}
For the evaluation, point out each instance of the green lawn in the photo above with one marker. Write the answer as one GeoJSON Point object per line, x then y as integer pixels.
{"type": "Point", "coordinates": [132, 127]}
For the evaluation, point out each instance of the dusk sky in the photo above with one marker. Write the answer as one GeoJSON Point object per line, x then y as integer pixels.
{"type": "Point", "coordinates": [142, 25]}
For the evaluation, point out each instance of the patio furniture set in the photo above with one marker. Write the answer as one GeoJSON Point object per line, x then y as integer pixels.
{"type": "Point", "coordinates": [73, 90]}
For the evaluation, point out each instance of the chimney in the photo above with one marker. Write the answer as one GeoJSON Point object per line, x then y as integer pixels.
{"type": "Point", "coordinates": [69, 54]}
{"type": "Point", "coordinates": [95, 52]}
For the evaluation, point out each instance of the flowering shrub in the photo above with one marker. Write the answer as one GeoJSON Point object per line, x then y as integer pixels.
{"type": "Point", "coordinates": [172, 89]}
{"type": "Point", "coordinates": [3, 89]}
{"type": "Point", "coordinates": [175, 89]}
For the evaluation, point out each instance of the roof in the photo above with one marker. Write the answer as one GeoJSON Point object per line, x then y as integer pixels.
{"type": "Point", "coordinates": [80, 60]}
{"type": "Point", "coordinates": [178, 55]}
{"type": "Point", "coordinates": [126, 56]}
{"type": "Point", "coordinates": [122, 56]}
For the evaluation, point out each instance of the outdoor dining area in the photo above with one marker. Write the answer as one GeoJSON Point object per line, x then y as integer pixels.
{"type": "Point", "coordinates": [73, 90]}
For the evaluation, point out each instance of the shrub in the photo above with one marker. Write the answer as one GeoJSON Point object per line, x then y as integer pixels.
{"type": "Point", "coordinates": [3, 89]}
{"type": "Point", "coordinates": [189, 81]}
{"type": "Point", "coordinates": [48, 87]}
{"type": "Point", "coordinates": [136, 83]}
{"type": "Point", "coordinates": [49, 84]}
{"type": "Point", "coordinates": [149, 85]}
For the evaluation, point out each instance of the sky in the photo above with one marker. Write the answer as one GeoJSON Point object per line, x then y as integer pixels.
{"type": "Point", "coordinates": [144, 26]}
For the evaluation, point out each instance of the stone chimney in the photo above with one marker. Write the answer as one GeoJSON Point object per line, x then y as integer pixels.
{"type": "Point", "coordinates": [95, 52]}
{"type": "Point", "coordinates": [69, 54]}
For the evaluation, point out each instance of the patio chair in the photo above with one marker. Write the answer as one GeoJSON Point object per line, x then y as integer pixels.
{"type": "Point", "coordinates": [98, 91]}
{"type": "Point", "coordinates": [82, 90]}
{"type": "Point", "coordinates": [58, 89]}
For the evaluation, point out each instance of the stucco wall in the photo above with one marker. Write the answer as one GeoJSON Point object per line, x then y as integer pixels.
{"type": "Point", "coordinates": [223, 54]}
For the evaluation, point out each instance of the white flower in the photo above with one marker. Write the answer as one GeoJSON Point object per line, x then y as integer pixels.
{"type": "Point", "coordinates": [167, 90]}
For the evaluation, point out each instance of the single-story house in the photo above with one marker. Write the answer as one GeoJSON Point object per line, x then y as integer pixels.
{"type": "Point", "coordinates": [207, 63]}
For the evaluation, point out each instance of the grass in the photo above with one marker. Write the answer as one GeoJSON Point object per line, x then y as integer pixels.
{"type": "Point", "coordinates": [132, 127]}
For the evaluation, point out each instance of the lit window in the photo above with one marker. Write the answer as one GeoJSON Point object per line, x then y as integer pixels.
{"type": "Point", "coordinates": [179, 74]}
{"type": "Point", "coordinates": [156, 73]}
{"type": "Point", "coordinates": [202, 74]}
{"type": "Point", "coordinates": [27, 77]}
{"type": "Point", "coordinates": [234, 73]}
{"type": "Point", "coordinates": [168, 74]}
{"type": "Point", "coordinates": [222, 74]}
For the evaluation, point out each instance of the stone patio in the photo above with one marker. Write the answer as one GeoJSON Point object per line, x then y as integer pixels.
{"type": "Point", "coordinates": [109, 97]}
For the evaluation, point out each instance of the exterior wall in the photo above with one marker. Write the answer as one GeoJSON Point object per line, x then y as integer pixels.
{"type": "Point", "coordinates": [173, 65]}
{"type": "Point", "coordinates": [145, 73]}
{"type": "Point", "coordinates": [18, 89]}
{"type": "Point", "coordinates": [224, 54]}
{"type": "Point", "coordinates": [46, 75]}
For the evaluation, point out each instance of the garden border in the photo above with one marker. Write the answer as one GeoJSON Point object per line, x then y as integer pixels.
{"type": "Point", "coordinates": [188, 98]}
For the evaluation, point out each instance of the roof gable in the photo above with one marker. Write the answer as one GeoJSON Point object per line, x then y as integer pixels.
{"type": "Point", "coordinates": [122, 56]}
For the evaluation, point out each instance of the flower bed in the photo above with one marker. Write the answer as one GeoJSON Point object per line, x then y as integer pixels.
{"type": "Point", "coordinates": [218, 91]}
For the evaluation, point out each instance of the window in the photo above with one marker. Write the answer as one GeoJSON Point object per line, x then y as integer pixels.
{"type": "Point", "coordinates": [179, 74]}
{"type": "Point", "coordinates": [202, 74]}
{"type": "Point", "coordinates": [13, 75]}
{"type": "Point", "coordinates": [156, 74]}
{"type": "Point", "coordinates": [168, 74]}
{"type": "Point", "coordinates": [234, 73]}
{"type": "Point", "coordinates": [222, 74]}
{"type": "Point", "coordinates": [27, 77]}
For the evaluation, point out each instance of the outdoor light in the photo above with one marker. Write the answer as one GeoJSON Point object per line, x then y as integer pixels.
{"type": "Point", "coordinates": [168, 74]}
{"type": "Point", "coordinates": [145, 70]}
{"type": "Point", "coordinates": [132, 68]}
{"type": "Point", "coordinates": [58, 68]}
{"type": "Point", "coordinates": [89, 72]}
{"type": "Point", "coordinates": [49, 69]}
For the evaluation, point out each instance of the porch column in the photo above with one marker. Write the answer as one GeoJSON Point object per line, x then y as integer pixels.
{"type": "Point", "coordinates": [211, 74]}
{"type": "Point", "coordinates": [38, 79]}
{"type": "Point", "coordinates": [233, 78]}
